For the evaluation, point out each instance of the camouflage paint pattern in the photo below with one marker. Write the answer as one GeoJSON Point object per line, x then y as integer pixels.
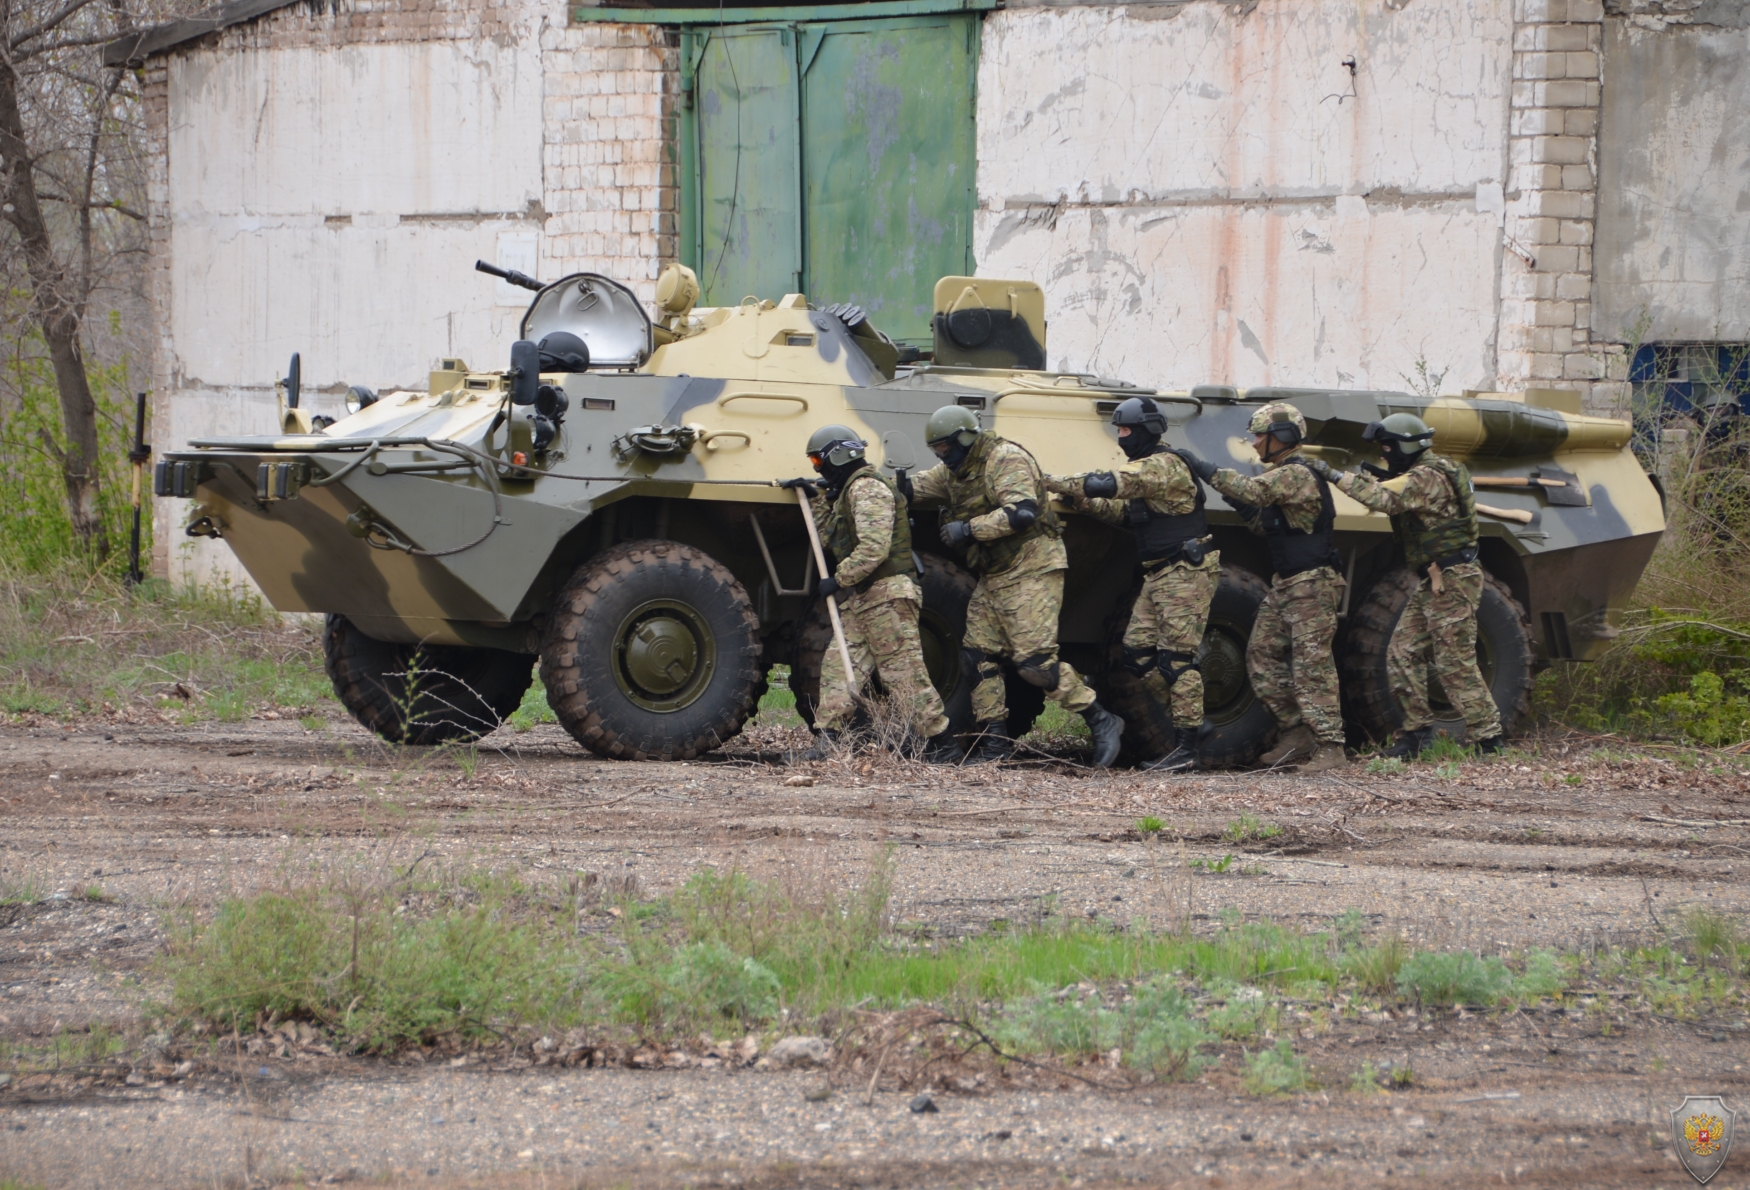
{"type": "Point", "coordinates": [1438, 633]}
{"type": "Point", "coordinates": [1289, 657]}
{"type": "Point", "coordinates": [1014, 615]}
{"type": "Point", "coordinates": [1170, 616]}
{"type": "Point", "coordinates": [1172, 610]}
{"type": "Point", "coordinates": [881, 631]}
{"type": "Point", "coordinates": [1294, 489]}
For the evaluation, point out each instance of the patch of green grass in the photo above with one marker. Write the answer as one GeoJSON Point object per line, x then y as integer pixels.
{"type": "Point", "coordinates": [1448, 770]}
{"type": "Point", "coordinates": [1277, 1071]}
{"type": "Point", "coordinates": [1212, 865]}
{"type": "Point", "coordinates": [1056, 728]}
{"type": "Point", "coordinates": [1150, 826]}
{"type": "Point", "coordinates": [778, 704]}
{"type": "Point", "coordinates": [1248, 828]}
{"type": "Point", "coordinates": [1366, 1080]}
{"type": "Point", "coordinates": [1444, 748]}
{"type": "Point", "coordinates": [91, 1046]}
{"type": "Point", "coordinates": [1386, 765]}
{"type": "Point", "coordinates": [1713, 937]}
{"type": "Point", "coordinates": [1573, 779]}
{"type": "Point", "coordinates": [312, 722]}
{"type": "Point", "coordinates": [534, 709]}
{"type": "Point", "coordinates": [1375, 968]}
{"type": "Point", "coordinates": [1153, 1029]}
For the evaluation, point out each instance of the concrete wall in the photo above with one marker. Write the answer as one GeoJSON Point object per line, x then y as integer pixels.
{"type": "Point", "coordinates": [1674, 184]}
{"type": "Point", "coordinates": [323, 183]}
{"type": "Point", "coordinates": [1208, 195]}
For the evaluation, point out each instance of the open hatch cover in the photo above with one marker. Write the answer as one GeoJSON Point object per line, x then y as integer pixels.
{"type": "Point", "coordinates": [603, 313]}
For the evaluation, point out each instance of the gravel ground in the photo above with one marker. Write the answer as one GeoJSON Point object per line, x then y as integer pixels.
{"type": "Point", "coordinates": [1557, 846]}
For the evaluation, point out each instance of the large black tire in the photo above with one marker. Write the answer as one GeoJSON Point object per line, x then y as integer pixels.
{"type": "Point", "coordinates": [947, 589]}
{"type": "Point", "coordinates": [422, 694]}
{"type": "Point", "coordinates": [1504, 654]}
{"type": "Point", "coordinates": [652, 653]}
{"type": "Point", "coordinates": [1241, 726]}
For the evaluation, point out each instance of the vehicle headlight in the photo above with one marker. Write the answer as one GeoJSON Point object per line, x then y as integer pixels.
{"type": "Point", "coordinates": [359, 397]}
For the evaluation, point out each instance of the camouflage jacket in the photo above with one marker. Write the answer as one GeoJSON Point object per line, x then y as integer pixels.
{"type": "Point", "coordinates": [1008, 475]}
{"type": "Point", "coordinates": [1420, 489]}
{"type": "Point", "coordinates": [871, 506]}
{"type": "Point", "coordinates": [1293, 489]}
{"type": "Point", "coordinates": [1162, 480]}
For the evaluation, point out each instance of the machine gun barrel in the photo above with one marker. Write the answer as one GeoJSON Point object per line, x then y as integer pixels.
{"type": "Point", "coordinates": [511, 275]}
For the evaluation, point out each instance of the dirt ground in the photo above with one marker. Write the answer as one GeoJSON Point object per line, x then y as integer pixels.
{"type": "Point", "coordinates": [1559, 845]}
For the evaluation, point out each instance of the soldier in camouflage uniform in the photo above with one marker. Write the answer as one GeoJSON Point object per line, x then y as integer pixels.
{"type": "Point", "coordinates": [865, 525]}
{"type": "Point", "coordinates": [1157, 498]}
{"type": "Point", "coordinates": [1433, 509]}
{"type": "Point", "coordinates": [1289, 656]}
{"type": "Point", "coordinates": [998, 518]}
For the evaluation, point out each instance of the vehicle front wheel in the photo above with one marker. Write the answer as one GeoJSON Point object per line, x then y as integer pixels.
{"type": "Point", "coordinates": [422, 694]}
{"type": "Point", "coordinates": [652, 653]}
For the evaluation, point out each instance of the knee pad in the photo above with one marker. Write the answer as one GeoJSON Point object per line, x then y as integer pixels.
{"type": "Point", "coordinates": [977, 661]}
{"type": "Point", "coordinates": [1139, 661]}
{"type": "Point", "coordinates": [1039, 670]}
{"type": "Point", "coordinates": [1175, 665]}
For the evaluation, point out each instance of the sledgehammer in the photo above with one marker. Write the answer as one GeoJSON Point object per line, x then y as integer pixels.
{"type": "Point", "coordinates": [832, 603]}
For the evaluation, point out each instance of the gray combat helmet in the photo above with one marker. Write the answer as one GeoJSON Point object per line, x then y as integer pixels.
{"type": "Point", "coordinates": [1409, 433]}
{"type": "Point", "coordinates": [951, 421]}
{"type": "Point", "coordinates": [836, 445]}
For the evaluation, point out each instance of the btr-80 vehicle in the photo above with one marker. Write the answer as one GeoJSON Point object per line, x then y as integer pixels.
{"type": "Point", "coordinates": [606, 505]}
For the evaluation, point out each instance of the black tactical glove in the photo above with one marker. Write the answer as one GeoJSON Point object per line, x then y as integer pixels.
{"type": "Point", "coordinates": [957, 535]}
{"type": "Point", "coordinates": [829, 586]}
{"type": "Point", "coordinates": [1099, 485]}
{"type": "Point", "coordinates": [1201, 467]}
{"type": "Point", "coordinates": [810, 486]}
{"type": "Point", "coordinates": [1248, 512]}
{"type": "Point", "coordinates": [1320, 467]}
{"type": "Point", "coordinates": [1376, 471]}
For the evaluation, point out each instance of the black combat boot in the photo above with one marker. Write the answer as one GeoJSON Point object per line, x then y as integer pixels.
{"type": "Point", "coordinates": [1180, 757]}
{"type": "Point", "coordinates": [991, 745]}
{"type": "Point", "coordinates": [941, 749]}
{"type": "Point", "coordinates": [1410, 744]}
{"type": "Point", "coordinates": [1493, 746]}
{"type": "Point", "coordinates": [1106, 728]}
{"type": "Point", "coordinates": [826, 742]}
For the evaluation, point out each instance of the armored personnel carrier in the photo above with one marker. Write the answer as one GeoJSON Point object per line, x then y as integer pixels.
{"type": "Point", "coordinates": [605, 504]}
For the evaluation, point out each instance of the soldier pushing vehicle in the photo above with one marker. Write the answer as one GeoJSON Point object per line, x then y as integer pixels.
{"type": "Point", "coordinates": [1433, 510]}
{"type": "Point", "coordinates": [1157, 498]}
{"type": "Point", "coordinates": [998, 518]}
{"type": "Point", "coordinates": [866, 526]}
{"type": "Point", "coordinates": [1289, 656]}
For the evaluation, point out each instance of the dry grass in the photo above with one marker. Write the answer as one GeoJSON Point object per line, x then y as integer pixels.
{"type": "Point", "coordinates": [74, 643]}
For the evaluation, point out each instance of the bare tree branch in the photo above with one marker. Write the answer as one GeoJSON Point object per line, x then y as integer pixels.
{"type": "Point", "coordinates": [50, 23]}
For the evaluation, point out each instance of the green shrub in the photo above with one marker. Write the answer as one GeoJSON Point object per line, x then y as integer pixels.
{"type": "Point", "coordinates": [373, 978]}
{"type": "Point", "coordinates": [1153, 1030]}
{"type": "Point", "coordinates": [1376, 967]}
{"type": "Point", "coordinates": [708, 983]}
{"type": "Point", "coordinates": [1544, 976]}
{"type": "Point", "coordinates": [1277, 1071]}
{"type": "Point", "coordinates": [1458, 977]}
{"type": "Point", "coordinates": [1705, 713]}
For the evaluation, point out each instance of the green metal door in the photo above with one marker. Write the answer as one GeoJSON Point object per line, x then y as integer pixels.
{"type": "Point", "coordinates": [833, 158]}
{"type": "Point", "coordinates": [748, 195]}
{"type": "Point", "coordinates": [887, 163]}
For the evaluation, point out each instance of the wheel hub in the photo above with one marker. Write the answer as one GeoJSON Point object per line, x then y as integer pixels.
{"type": "Point", "coordinates": [1226, 692]}
{"type": "Point", "coordinates": [664, 655]}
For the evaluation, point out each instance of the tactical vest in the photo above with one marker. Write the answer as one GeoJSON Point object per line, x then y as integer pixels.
{"type": "Point", "coordinates": [840, 532]}
{"type": "Point", "coordinates": [1291, 550]}
{"type": "Point", "coordinates": [1161, 536]}
{"type": "Point", "coordinates": [1447, 541]}
{"type": "Point", "coordinates": [970, 496]}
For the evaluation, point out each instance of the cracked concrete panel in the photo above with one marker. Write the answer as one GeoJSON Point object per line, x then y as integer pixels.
{"type": "Point", "coordinates": [1673, 241]}
{"type": "Point", "coordinates": [1113, 104]}
{"type": "Point", "coordinates": [371, 305]}
{"type": "Point", "coordinates": [1331, 293]}
{"type": "Point", "coordinates": [433, 127]}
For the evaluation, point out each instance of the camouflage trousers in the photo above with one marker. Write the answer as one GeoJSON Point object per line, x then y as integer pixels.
{"type": "Point", "coordinates": [1014, 615]}
{"type": "Point", "coordinates": [1289, 657]}
{"type": "Point", "coordinates": [1437, 634]}
{"type": "Point", "coordinates": [882, 636]}
{"type": "Point", "coordinates": [1169, 618]}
